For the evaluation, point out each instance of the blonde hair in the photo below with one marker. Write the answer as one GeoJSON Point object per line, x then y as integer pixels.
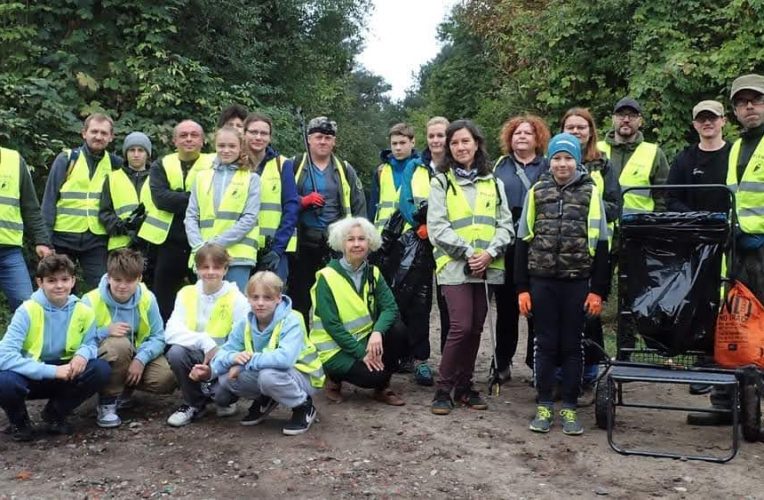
{"type": "Point", "coordinates": [242, 160]}
{"type": "Point", "coordinates": [338, 233]}
{"type": "Point", "coordinates": [268, 280]}
{"type": "Point", "coordinates": [437, 120]}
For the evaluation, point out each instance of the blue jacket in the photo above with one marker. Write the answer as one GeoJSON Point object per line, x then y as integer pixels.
{"type": "Point", "coordinates": [54, 340]}
{"type": "Point", "coordinates": [290, 203]}
{"type": "Point", "coordinates": [403, 171]}
{"type": "Point", "coordinates": [291, 342]}
{"type": "Point", "coordinates": [127, 312]}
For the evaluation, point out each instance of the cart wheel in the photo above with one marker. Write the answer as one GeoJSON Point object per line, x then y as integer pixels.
{"type": "Point", "coordinates": [751, 412]}
{"type": "Point", "coordinates": [604, 401]}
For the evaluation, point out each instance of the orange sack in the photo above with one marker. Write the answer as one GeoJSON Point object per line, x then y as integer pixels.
{"type": "Point", "coordinates": [739, 338]}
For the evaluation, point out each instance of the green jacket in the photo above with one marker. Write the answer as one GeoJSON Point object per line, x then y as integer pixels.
{"type": "Point", "coordinates": [621, 152]}
{"type": "Point", "coordinates": [326, 308]}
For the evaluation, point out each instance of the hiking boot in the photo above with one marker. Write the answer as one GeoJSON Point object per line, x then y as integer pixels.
{"type": "Point", "coordinates": [226, 411]}
{"type": "Point", "coordinates": [388, 397]}
{"type": "Point", "coordinates": [185, 414]}
{"type": "Point", "coordinates": [22, 429]}
{"type": "Point", "coordinates": [332, 391]}
{"type": "Point", "coordinates": [471, 399]}
{"type": "Point", "coordinates": [406, 366]}
{"type": "Point", "coordinates": [543, 420]}
{"type": "Point", "coordinates": [259, 409]}
{"type": "Point", "coordinates": [570, 424]}
{"type": "Point", "coordinates": [107, 416]}
{"type": "Point", "coordinates": [54, 423]}
{"type": "Point", "coordinates": [302, 417]}
{"type": "Point", "coordinates": [442, 403]}
{"type": "Point", "coordinates": [423, 374]}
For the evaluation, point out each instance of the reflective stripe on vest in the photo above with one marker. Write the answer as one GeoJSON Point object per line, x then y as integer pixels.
{"type": "Point", "coordinates": [353, 310]}
{"type": "Point", "coordinates": [475, 227]}
{"type": "Point", "coordinates": [124, 199]}
{"type": "Point", "coordinates": [103, 315]}
{"type": "Point", "coordinates": [11, 223]}
{"type": "Point", "coordinates": [214, 222]}
{"type": "Point", "coordinates": [77, 205]}
{"type": "Point", "coordinates": [636, 172]}
{"type": "Point", "coordinates": [270, 203]}
{"type": "Point", "coordinates": [599, 181]}
{"type": "Point", "coordinates": [749, 190]}
{"type": "Point", "coordinates": [339, 166]}
{"type": "Point", "coordinates": [80, 322]}
{"type": "Point", "coordinates": [389, 196]}
{"type": "Point", "coordinates": [220, 322]}
{"type": "Point", "coordinates": [157, 224]}
{"type": "Point", "coordinates": [308, 361]}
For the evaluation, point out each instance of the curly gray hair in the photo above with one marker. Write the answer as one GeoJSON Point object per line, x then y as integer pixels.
{"type": "Point", "coordinates": [338, 233]}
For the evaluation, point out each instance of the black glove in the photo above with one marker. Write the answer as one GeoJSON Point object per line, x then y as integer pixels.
{"type": "Point", "coordinates": [136, 217]}
{"type": "Point", "coordinates": [269, 262]}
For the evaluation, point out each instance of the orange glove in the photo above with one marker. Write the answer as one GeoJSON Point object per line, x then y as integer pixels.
{"type": "Point", "coordinates": [593, 304]}
{"type": "Point", "coordinates": [524, 303]}
{"type": "Point", "coordinates": [422, 232]}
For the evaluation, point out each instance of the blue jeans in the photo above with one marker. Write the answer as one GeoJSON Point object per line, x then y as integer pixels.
{"type": "Point", "coordinates": [14, 276]}
{"type": "Point", "coordinates": [240, 276]}
{"type": "Point", "coordinates": [64, 395]}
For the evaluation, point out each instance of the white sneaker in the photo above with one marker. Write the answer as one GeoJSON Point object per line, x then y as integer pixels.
{"type": "Point", "coordinates": [184, 415]}
{"type": "Point", "coordinates": [107, 416]}
{"type": "Point", "coordinates": [226, 411]}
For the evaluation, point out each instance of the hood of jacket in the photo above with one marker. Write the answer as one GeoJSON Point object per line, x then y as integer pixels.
{"type": "Point", "coordinates": [629, 146]}
{"type": "Point", "coordinates": [282, 311]}
{"type": "Point", "coordinates": [39, 297]}
{"type": "Point", "coordinates": [132, 303]}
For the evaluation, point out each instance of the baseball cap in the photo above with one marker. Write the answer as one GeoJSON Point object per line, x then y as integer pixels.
{"type": "Point", "coordinates": [747, 82]}
{"type": "Point", "coordinates": [323, 125]}
{"type": "Point", "coordinates": [627, 102]}
{"type": "Point", "coordinates": [714, 107]}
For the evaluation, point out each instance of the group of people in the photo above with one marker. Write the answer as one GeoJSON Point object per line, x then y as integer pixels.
{"type": "Point", "coordinates": [187, 274]}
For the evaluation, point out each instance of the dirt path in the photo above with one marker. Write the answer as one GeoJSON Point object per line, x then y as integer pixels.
{"type": "Point", "coordinates": [363, 449]}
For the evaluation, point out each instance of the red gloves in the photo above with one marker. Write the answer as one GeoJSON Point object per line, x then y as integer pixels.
{"type": "Point", "coordinates": [524, 303]}
{"type": "Point", "coordinates": [593, 304]}
{"type": "Point", "coordinates": [422, 232]}
{"type": "Point", "coordinates": [311, 200]}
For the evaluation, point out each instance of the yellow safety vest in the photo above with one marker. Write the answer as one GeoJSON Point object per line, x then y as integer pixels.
{"type": "Point", "coordinates": [339, 165]}
{"type": "Point", "coordinates": [389, 197]}
{"type": "Point", "coordinates": [220, 322]}
{"type": "Point", "coordinates": [11, 223]}
{"type": "Point", "coordinates": [157, 224]}
{"type": "Point", "coordinates": [308, 361]}
{"type": "Point", "coordinates": [125, 199]}
{"type": "Point", "coordinates": [103, 316]}
{"type": "Point", "coordinates": [79, 324]}
{"type": "Point", "coordinates": [599, 181]}
{"type": "Point", "coordinates": [270, 203]}
{"type": "Point", "coordinates": [214, 222]}
{"type": "Point", "coordinates": [636, 172]}
{"type": "Point", "coordinates": [77, 206]}
{"type": "Point", "coordinates": [353, 310]}
{"type": "Point", "coordinates": [475, 226]}
{"type": "Point", "coordinates": [749, 190]}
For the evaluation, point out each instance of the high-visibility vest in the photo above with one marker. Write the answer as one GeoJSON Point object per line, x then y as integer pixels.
{"type": "Point", "coordinates": [599, 181]}
{"type": "Point", "coordinates": [636, 172]}
{"type": "Point", "coordinates": [308, 361]}
{"type": "Point", "coordinates": [220, 322]}
{"type": "Point", "coordinates": [339, 166]}
{"type": "Point", "coordinates": [80, 322]}
{"type": "Point", "coordinates": [389, 196]}
{"type": "Point", "coordinates": [103, 316]}
{"type": "Point", "coordinates": [77, 205]}
{"type": "Point", "coordinates": [475, 226]}
{"type": "Point", "coordinates": [214, 222]}
{"type": "Point", "coordinates": [749, 190]}
{"type": "Point", "coordinates": [270, 203]}
{"type": "Point", "coordinates": [11, 223]}
{"type": "Point", "coordinates": [354, 311]}
{"type": "Point", "coordinates": [156, 226]}
{"type": "Point", "coordinates": [124, 199]}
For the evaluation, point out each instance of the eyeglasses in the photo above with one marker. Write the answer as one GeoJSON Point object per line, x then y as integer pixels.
{"type": "Point", "coordinates": [627, 114]}
{"type": "Point", "coordinates": [739, 102]}
{"type": "Point", "coordinates": [261, 133]}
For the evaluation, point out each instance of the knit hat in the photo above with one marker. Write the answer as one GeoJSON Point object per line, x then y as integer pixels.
{"type": "Point", "coordinates": [137, 139]}
{"type": "Point", "coordinates": [565, 142]}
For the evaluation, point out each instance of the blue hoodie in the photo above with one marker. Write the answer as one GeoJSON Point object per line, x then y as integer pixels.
{"type": "Point", "coordinates": [127, 312]}
{"type": "Point", "coordinates": [290, 203]}
{"type": "Point", "coordinates": [291, 342]}
{"type": "Point", "coordinates": [54, 340]}
{"type": "Point", "coordinates": [403, 172]}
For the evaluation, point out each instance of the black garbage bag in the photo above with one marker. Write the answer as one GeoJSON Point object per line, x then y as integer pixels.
{"type": "Point", "coordinates": [671, 268]}
{"type": "Point", "coordinates": [384, 258]}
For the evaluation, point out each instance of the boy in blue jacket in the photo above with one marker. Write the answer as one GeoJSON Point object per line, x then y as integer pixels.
{"type": "Point", "coordinates": [268, 358]}
{"type": "Point", "coordinates": [130, 335]}
{"type": "Point", "coordinates": [49, 351]}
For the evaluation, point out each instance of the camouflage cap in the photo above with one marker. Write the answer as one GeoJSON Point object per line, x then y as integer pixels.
{"type": "Point", "coordinates": [322, 125]}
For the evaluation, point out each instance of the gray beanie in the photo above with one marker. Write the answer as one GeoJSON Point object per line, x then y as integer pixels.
{"type": "Point", "coordinates": [137, 139]}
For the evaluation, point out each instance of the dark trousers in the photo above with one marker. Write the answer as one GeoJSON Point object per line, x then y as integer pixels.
{"type": "Point", "coordinates": [182, 360]}
{"type": "Point", "coordinates": [171, 272]}
{"type": "Point", "coordinates": [416, 316]}
{"type": "Point", "coordinates": [467, 309]}
{"type": "Point", "coordinates": [558, 311]}
{"type": "Point", "coordinates": [443, 310]}
{"type": "Point", "coordinates": [394, 345]}
{"type": "Point", "coordinates": [593, 331]}
{"type": "Point", "coordinates": [63, 395]}
{"type": "Point", "coordinates": [308, 260]}
{"type": "Point", "coordinates": [92, 262]}
{"type": "Point", "coordinates": [507, 323]}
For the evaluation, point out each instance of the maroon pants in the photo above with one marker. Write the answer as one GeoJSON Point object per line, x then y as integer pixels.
{"type": "Point", "coordinates": [467, 308]}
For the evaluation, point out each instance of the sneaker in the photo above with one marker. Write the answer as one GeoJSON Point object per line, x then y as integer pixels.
{"type": "Point", "coordinates": [543, 420]}
{"type": "Point", "coordinates": [107, 416]}
{"type": "Point", "coordinates": [260, 409]}
{"type": "Point", "coordinates": [471, 399]}
{"type": "Point", "coordinates": [55, 423]}
{"type": "Point", "coordinates": [406, 366]}
{"type": "Point", "coordinates": [442, 403]}
{"type": "Point", "coordinates": [22, 430]}
{"type": "Point", "coordinates": [185, 414]}
{"type": "Point", "coordinates": [423, 374]}
{"type": "Point", "coordinates": [302, 417]}
{"type": "Point", "coordinates": [570, 424]}
{"type": "Point", "coordinates": [226, 411]}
